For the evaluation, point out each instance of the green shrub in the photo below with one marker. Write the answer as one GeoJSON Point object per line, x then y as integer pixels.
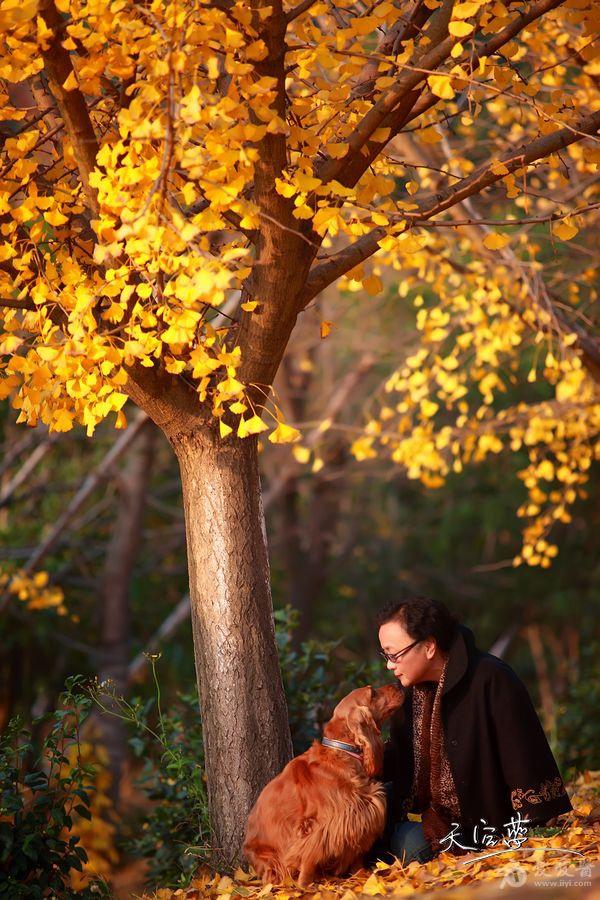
{"type": "Point", "coordinates": [37, 803]}
{"type": "Point", "coordinates": [314, 680]}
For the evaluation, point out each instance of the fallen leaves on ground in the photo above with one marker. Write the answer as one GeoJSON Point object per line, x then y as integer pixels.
{"type": "Point", "coordinates": [541, 858]}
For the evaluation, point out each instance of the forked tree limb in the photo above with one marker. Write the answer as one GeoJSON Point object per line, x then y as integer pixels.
{"type": "Point", "coordinates": [418, 101]}
{"type": "Point", "coordinates": [181, 611]}
{"type": "Point", "coordinates": [401, 91]}
{"type": "Point", "coordinates": [329, 270]}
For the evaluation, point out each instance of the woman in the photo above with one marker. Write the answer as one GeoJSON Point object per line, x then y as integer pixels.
{"type": "Point", "coordinates": [467, 749]}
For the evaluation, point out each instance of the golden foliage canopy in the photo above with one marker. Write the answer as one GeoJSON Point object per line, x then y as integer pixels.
{"type": "Point", "coordinates": [178, 180]}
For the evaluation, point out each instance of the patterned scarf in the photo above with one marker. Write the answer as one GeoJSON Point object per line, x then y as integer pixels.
{"type": "Point", "coordinates": [434, 793]}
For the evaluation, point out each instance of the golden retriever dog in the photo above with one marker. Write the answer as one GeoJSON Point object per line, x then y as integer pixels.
{"type": "Point", "coordinates": [323, 812]}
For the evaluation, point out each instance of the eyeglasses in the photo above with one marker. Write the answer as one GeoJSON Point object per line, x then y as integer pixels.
{"type": "Point", "coordinates": [395, 657]}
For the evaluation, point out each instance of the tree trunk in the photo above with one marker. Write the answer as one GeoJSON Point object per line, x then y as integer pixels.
{"type": "Point", "coordinates": [533, 635]}
{"type": "Point", "coordinates": [244, 714]}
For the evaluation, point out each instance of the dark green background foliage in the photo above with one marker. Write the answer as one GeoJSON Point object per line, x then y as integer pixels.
{"type": "Point", "coordinates": [39, 795]}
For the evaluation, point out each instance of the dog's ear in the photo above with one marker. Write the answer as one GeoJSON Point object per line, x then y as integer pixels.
{"type": "Point", "coordinates": [358, 697]}
{"type": "Point", "coordinates": [365, 734]}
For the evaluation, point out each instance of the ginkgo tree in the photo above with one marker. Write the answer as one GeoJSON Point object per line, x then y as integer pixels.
{"type": "Point", "coordinates": [179, 180]}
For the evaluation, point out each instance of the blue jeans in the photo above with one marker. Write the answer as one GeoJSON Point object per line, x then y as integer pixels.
{"type": "Point", "coordinates": [405, 840]}
{"type": "Point", "coordinates": [408, 842]}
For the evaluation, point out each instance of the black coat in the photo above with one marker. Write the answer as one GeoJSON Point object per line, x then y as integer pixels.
{"type": "Point", "coordinates": [496, 747]}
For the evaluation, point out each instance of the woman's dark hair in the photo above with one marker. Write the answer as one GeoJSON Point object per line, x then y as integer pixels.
{"type": "Point", "coordinates": [421, 618]}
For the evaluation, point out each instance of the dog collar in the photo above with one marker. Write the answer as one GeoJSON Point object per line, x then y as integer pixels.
{"type": "Point", "coordinates": [340, 745]}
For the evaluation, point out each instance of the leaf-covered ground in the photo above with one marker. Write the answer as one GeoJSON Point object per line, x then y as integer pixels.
{"type": "Point", "coordinates": [541, 864]}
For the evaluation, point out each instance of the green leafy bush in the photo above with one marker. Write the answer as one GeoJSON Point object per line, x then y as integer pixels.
{"type": "Point", "coordinates": [314, 680]}
{"type": "Point", "coordinates": [173, 835]}
{"type": "Point", "coordinates": [38, 800]}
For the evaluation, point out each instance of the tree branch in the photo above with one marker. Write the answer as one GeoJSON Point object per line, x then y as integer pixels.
{"type": "Point", "coordinates": [298, 10]}
{"type": "Point", "coordinates": [414, 105]}
{"type": "Point", "coordinates": [403, 92]}
{"type": "Point", "coordinates": [484, 177]}
{"type": "Point", "coordinates": [89, 485]}
{"type": "Point", "coordinates": [18, 304]}
{"type": "Point", "coordinates": [27, 468]}
{"type": "Point", "coordinates": [329, 270]}
{"type": "Point", "coordinates": [71, 103]}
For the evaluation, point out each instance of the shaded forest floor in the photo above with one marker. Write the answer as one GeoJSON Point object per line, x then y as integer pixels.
{"type": "Point", "coordinates": [556, 865]}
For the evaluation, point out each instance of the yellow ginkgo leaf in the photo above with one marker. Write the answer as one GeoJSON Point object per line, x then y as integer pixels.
{"type": "Point", "coordinates": [284, 188]}
{"type": "Point", "coordinates": [337, 151]}
{"type": "Point", "coordinates": [565, 230]}
{"type": "Point", "coordinates": [545, 470]}
{"type": "Point", "coordinates": [250, 305]}
{"type": "Point", "coordinates": [373, 886]}
{"type": "Point", "coordinates": [429, 408]}
{"type": "Point", "coordinates": [284, 434]}
{"type": "Point", "coordinates": [430, 136]}
{"type": "Point", "coordinates": [62, 420]}
{"type": "Point", "coordinates": [224, 429]}
{"type": "Point", "coordinates": [465, 10]}
{"type": "Point", "coordinates": [70, 83]}
{"type": "Point", "coordinates": [412, 187]}
{"type": "Point", "coordinates": [460, 29]}
{"type": "Point", "coordinates": [301, 454]}
{"type": "Point", "coordinates": [253, 425]}
{"type": "Point", "coordinates": [306, 182]}
{"type": "Point", "coordinates": [326, 328]}
{"type": "Point", "coordinates": [440, 86]}
{"type": "Point", "coordinates": [372, 285]}
{"type": "Point", "coordinates": [364, 24]}
{"type": "Point", "coordinates": [496, 241]}
{"type": "Point", "coordinates": [230, 386]}
{"type": "Point", "coordinates": [55, 217]}
{"type": "Point", "coordinates": [499, 168]}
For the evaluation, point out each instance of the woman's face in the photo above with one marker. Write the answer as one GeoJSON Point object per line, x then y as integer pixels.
{"type": "Point", "coordinates": [413, 666]}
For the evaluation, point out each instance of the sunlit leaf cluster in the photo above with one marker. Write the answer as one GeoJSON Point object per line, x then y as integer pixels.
{"type": "Point", "coordinates": [33, 591]}
{"type": "Point", "coordinates": [166, 163]}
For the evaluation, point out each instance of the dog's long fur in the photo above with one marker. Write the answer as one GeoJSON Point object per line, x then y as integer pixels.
{"type": "Point", "coordinates": [323, 812]}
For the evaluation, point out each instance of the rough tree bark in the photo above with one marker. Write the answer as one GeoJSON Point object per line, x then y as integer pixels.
{"type": "Point", "coordinates": [244, 716]}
